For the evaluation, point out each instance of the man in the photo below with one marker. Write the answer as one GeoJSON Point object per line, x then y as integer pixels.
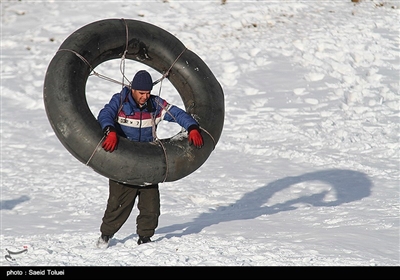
{"type": "Point", "coordinates": [134, 114]}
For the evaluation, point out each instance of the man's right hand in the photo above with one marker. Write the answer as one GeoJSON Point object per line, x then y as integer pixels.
{"type": "Point", "coordinates": [111, 140]}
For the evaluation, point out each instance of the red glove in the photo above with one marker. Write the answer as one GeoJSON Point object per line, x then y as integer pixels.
{"type": "Point", "coordinates": [111, 140]}
{"type": "Point", "coordinates": [195, 138]}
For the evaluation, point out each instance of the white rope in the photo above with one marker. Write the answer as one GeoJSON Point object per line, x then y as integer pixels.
{"type": "Point", "coordinates": [95, 150]}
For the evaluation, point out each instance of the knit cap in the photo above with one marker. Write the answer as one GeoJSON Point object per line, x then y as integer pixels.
{"type": "Point", "coordinates": [142, 81]}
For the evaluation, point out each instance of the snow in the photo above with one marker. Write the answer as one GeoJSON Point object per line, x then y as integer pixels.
{"type": "Point", "coordinates": [306, 172]}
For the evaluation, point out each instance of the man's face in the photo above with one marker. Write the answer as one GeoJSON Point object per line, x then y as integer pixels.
{"type": "Point", "coordinates": [140, 96]}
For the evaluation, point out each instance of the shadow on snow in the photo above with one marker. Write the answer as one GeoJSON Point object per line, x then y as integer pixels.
{"type": "Point", "coordinates": [10, 204]}
{"type": "Point", "coordinates": [349, 186]}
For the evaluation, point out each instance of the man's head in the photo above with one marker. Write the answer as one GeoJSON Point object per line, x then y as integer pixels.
{"type": "Point", "coordinates": [141, 86]}
{"type": "Point", "coordinates": [142, 81]}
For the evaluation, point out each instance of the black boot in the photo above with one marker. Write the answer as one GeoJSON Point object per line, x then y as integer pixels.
{"type": "Point", "coordinates": [103, 241]}
{"type": "Point", "coordinates": [143, 239]}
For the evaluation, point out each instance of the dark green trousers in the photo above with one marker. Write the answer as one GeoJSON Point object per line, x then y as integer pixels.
{"type": "Point", "coordinates": [120, 204]}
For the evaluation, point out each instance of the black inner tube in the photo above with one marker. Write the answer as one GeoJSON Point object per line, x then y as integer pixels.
{"type": "Point", "coordinates": [76, 127]}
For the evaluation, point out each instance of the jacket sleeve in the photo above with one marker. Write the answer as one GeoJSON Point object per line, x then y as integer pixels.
{"type": "Point", "coordinates": [176, 114]}
{"type": "Point", "coordinates": [108, 114]}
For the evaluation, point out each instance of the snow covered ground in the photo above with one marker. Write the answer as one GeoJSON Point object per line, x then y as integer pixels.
{"type": "Point", "coordinates": [306, 172]}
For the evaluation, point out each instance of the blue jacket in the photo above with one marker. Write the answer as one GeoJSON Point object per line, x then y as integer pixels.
{"type": "Point", "coordinates": [137, 123]}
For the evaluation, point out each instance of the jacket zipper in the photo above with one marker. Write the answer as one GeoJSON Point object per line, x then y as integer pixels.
{"type": "Point", "coordinates": [140, 127]}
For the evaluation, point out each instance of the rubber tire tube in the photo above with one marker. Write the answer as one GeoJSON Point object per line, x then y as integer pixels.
{"type": "Point", "coordinates": [76, 127]}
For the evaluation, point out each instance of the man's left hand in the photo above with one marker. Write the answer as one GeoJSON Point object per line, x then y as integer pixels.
{"type": "Point", "coordinates": [195, 138]}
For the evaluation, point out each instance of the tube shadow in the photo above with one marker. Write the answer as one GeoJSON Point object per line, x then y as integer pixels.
{"type": "Point", "coordinates": [10, 204]}
{"type": "Point", "coordinates": [349, 186]}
